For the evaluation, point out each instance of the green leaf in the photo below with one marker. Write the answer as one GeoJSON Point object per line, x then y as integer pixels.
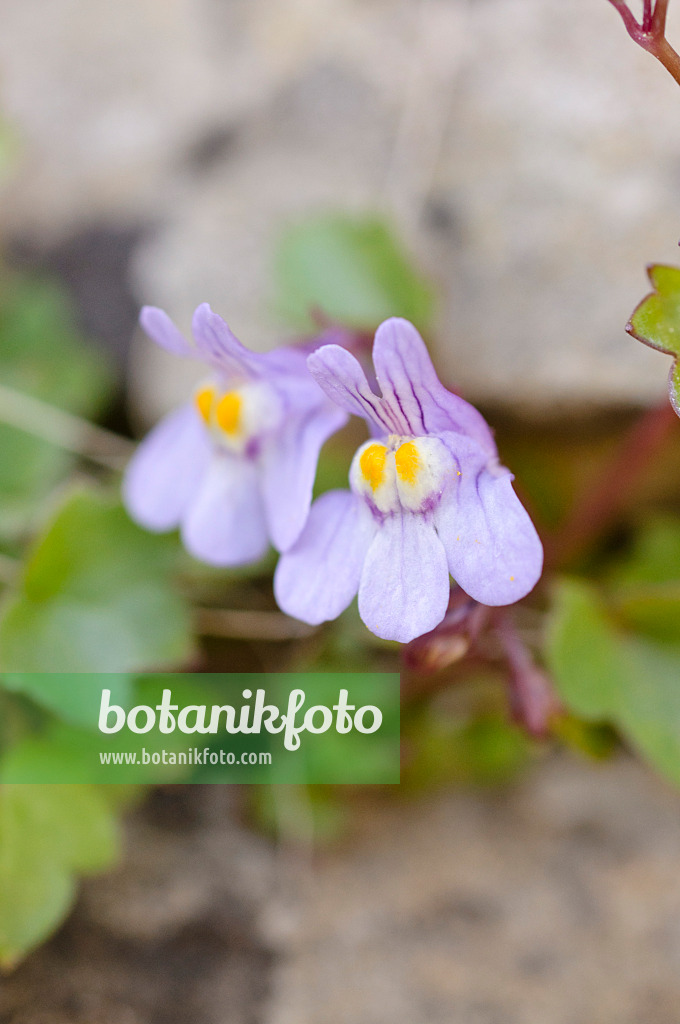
{"type": "Point", "coordinates": [47, 835]}
{"type": "Point", "coordinates": [656, 321]}
{"type": "Point", "coordinates": [644, 591]}
{"type": "Point", "coordinates": [43, 355]}
{"type": "Point", "coordinates": [653, 610]}
{"type": "Point", "coordinates": [352, 270]}
{"type": "Point", "coordinates": [604, 675]}
{"type": "Point", "coordinates": [76, 699]}
{"type": "Point", "coordinates": [95, 596]}
{"type": "Point", "coordinates": [444, 748]}
{"type": "Point", "coordinates": [64, 754]}
{"type": "Point", "coordinates": [654, 557]}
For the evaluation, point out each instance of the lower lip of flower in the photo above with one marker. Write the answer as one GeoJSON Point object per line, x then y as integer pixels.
{"type": "Point", "coordinates": [398, 474]}
{"type": "Point", "coordinates": [238, 418]}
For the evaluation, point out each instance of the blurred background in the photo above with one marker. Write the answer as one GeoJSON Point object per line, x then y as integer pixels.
{"type": "Point", "coordinates": [527, 156]}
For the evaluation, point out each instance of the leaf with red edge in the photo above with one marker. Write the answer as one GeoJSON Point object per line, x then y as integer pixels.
{"type": "Point", "coordinates": [656, 321]}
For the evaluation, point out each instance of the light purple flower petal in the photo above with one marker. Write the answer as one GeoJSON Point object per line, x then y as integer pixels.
{"type": "Point", "coordinates": [317, 579]}
{"type": "Point", "coordinates": [221, 349]}
{"type": "Point", "coordinates": [288, 466]}
{"type": "Point", "coordinates": [162, 330]}
{"type": "Point", "coordinates": [225, 524]}
{"type": "Point", "coordinates": [404, 589]}
{"type": "Point", "coordinates": [409, 384]}
{"type": "Point", "coordinates": [163, 475]}
{"type": "Point", "coordinates": [493, 549]}
{"type": "Point", "coordinates": [340, 375]}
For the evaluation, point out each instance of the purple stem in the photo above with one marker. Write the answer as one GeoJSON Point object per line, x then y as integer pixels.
{"type": "Point", "coordinates": [533, 702]}
{"type": "Point", "coordinates": [650, 32]}
{"type": "Point", "coordinates": [599, 506]}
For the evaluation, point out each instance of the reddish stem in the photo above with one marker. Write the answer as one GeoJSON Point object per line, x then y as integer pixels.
{"type": "Point", "coordinates": [647, 16]}
{"type": "Point", "coordinates": [650, 32]}
{"type": "Point", "coordinates": [658, 26]}
{"type": "Point", "coordinates": [598, 507]}
{"type": "Point", "coordinates": [533, 701]}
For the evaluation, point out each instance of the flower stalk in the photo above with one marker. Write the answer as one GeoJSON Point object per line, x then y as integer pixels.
{"type": "Point", "coordinates": [63, 429]}
{"type": "Point", "coordinates": [650, 32]}
{"type": "Point", "coordinates": [533, 702]}
{"type": "Point", "coordinates": [598, 507]}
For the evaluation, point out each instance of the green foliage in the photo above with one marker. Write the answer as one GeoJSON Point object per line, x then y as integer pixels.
{"type": "Point", "coordinates": [654, 555]}
{"type": "Point", "coordinates": [656, 321]}
{"type": "Point", "coordinates": [605, 675]}
{"type": "Point", "coordinates": [441, 749]}
{"type": "Point", "coordinates": [47, 835]}
{"type": "Point", "coordinates": [641, 593]}
{"type": "Point", "coordinates": [43, 355]}
{"type": "Point", "coordinates": [351, 270]}
{"type": "Point", "coordinates": [65, 754]}
{"type": "Point", "coordinates": [78, 703]}
{"type": "Point", "coordinates": [94, 596]}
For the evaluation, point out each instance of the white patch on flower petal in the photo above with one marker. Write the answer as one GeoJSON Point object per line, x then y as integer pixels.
{"type": "Point", "coordinates": [403, 473]}
{"type": "Point", "coordinates": [373, 475]}
{"type": "Point", "coordinates": [240, 416]}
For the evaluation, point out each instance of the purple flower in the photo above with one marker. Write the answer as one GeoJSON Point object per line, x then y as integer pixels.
{"type": "Point", "coordinates": [428, 497]}
{"type": "Point", "coordinates": [234, 467]}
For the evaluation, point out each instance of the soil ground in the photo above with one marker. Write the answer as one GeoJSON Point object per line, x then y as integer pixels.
{"type": "Point", "coordinates": [554, 901]}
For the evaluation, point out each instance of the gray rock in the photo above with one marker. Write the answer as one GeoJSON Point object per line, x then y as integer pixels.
{"type": "Point", "coordinates": [529, 155]}
{"type": "Point", "coordinates": [554, 902]}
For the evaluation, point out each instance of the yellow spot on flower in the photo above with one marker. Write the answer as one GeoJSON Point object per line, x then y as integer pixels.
{"type": "Point", "coordinates": [407, 460]}
{"type": "Point", "coordinates": [512, 579]}
{"type": "Point", "coordinates": [372, 464]}
{"type": "Point", "coordinates": [228, 412]}
{"type": "Point", "coordinates": [205, 399]}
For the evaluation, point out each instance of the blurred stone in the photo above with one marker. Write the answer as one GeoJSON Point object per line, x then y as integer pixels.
{"type": "Point", "coordinates": [170, 937]}
{"type": "Point", "coordinates": [529, 153]}
{"type": "Point", "coordinates": [553, 902]}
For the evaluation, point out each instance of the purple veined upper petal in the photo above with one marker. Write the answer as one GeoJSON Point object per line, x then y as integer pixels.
{"type": "Point", "coordinates": [166, 471]}
{"type": "Point", "coordinates": [340, 375]}
{"type": "Point", "coordinates": [409, 384]}
{"type": "Point", "coordinates": [404, 589]}
{"type": "Point", "coordinates": [493, 549]}
{"type": "Point", "coordinates": [162, 330]}
{"type": "Point", "coordinates": [225, 524]}
{"type": "Point", "coordinates": [219, 347]}
{"type": "Point", "coordinates": [316, 580]}
{"type": "Point", "coordinates": [288, 466]}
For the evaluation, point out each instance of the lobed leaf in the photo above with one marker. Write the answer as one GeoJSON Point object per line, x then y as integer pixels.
{"type": "Point", "coordinates": [604, 675]}
{"type": "Point", "coordinates": [656, 321]}
{"type": "Point", "coordinates": [95, 597]}
{"type": "Point", "coordinates": [47, 835]}
{"type": "Point", "coordinates": [42, 354]}
{"type": "Point", "coordinates": [352, 270]}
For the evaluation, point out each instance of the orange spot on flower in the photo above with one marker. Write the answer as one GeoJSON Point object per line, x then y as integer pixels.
{"type": "Point", "coordinates": [407, 460]}
{"type": "Point", "coordinates": [204, 400]}
{"type": "Point", "coordinates": [228, 412]}
{"type": "Point", "coordinates": [372, 464]}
